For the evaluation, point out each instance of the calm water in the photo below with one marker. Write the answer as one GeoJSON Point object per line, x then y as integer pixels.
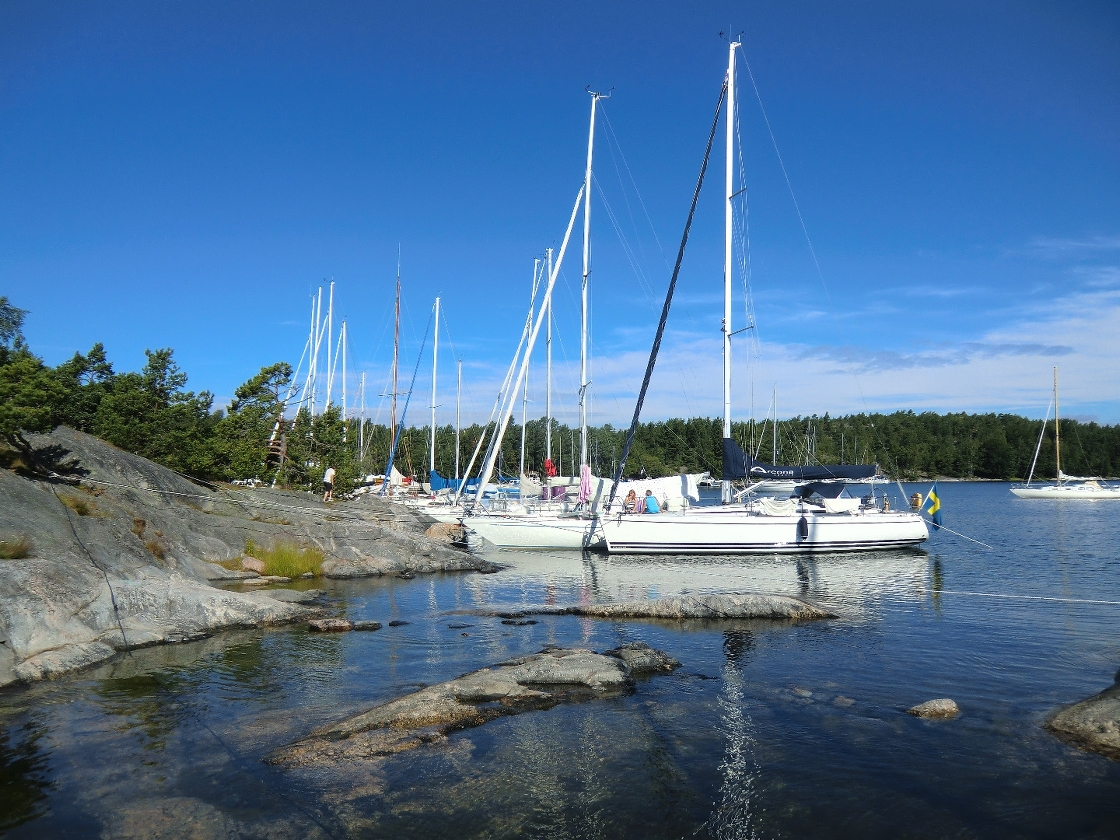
{"type": "Point", "coordinates": [768, 730]}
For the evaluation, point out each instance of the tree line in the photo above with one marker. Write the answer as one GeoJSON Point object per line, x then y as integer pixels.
{"type": "Point", "coordinates": [153, 414]}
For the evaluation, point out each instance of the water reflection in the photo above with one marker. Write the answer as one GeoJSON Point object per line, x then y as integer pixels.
{"type": "Point", "coordinates": [149, 703]}
{"type": "Point", "coordinates": [24, 780]}
{"type": "Point", "coordinates": [936, 582]}
{"type": "Point", "coordinates": [735, 815]}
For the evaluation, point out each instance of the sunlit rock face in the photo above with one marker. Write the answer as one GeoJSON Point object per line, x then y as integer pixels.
{"type": "Point", "coordinates": [125, 557]}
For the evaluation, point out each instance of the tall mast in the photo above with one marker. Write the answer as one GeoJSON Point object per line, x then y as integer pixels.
{"type": "Point", "coordinates": [362, 427]}
{"type": "Point", "coordinates": [583, 382]}
{"type": "Point", "coordinates": [435, 360]}
{"type": "Point", "coordinates": [330, 333]}
{"type": "Point", "coordinates": [525, 391]}
{"type": "Point", "coordinates": [548, 369]}
{"type": "Point", "coordinates": [775, 429]}
{"type": "Point", "coordinates": [309, 382]}
{"type": "Point", "coordinates": [342, 341]}
{"type": "Point", "coordinates": [503, 422]}
{"type": "Point", "coordinates": [1057, 428]}
{"type": "Point", "coordinates": [318, 341]}
{"type": "Point", "coordinates": [729, 182]}
{"type": "Point", "coordinates": [458, 395]}
{"type": "Point", "coordinates": [396, 351]}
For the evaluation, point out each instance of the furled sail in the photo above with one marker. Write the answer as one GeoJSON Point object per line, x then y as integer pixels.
{"type": "Point", "coordinates": [737, 464]}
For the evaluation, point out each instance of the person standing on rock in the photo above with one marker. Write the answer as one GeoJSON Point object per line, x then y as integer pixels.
{"type": "Point", "coordinates": [328, 485]}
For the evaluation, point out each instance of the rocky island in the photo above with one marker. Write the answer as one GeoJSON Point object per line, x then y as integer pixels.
{"type": "Point", "coordinates": [116, 552]}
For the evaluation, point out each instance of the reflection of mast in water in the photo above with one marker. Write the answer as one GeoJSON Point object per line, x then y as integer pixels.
{"type": "Point", "coordinates": [735, 814]}
{"type": "Point", "coordinates": [591, 574]}
{"type": "Point", "coordinates": [802, 577]}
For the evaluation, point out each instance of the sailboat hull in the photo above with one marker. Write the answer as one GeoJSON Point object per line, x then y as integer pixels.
{"type": "Point", "coordinates": [1066, 491]}
{"type": "Point", "coordinates": [742, 532]}
{"type": "Point", "coordinates": [536, 532]}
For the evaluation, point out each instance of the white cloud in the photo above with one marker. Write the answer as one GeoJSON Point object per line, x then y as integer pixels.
{"type": "Point", "coordinates": [1051, 246]}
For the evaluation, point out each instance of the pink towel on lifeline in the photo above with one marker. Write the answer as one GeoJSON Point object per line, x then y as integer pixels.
{"type": "Point", "coordinates": [584, 483]}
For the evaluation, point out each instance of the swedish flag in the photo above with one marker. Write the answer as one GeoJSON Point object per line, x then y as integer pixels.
{"type": "Point", "coordinates": [932, 507]}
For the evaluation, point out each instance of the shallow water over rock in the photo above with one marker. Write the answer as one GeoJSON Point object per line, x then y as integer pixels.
{"type": "Point", "coordinates": [769, 728]}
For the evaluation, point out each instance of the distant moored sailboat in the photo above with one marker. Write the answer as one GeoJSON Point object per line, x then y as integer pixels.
{"type": "Point", "coordinates": [1064, 486]}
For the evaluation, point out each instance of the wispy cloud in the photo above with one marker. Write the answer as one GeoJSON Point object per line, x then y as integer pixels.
{"type": "Point", "coordinates": [864, 359]}
{"type": "Point", "coordinates": [1052, 246]}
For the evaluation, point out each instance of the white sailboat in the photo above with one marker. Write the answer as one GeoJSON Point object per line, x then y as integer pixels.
{"type": "Point", "coordinates": [812, 523]}
{"type": "Point", "coordinates": [1064, 486]}
{"type": "Point", "coordinates": [546, 524]}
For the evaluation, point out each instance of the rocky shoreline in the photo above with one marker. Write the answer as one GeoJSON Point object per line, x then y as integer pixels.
{"type": "Point", "coordinates": [123, 553]}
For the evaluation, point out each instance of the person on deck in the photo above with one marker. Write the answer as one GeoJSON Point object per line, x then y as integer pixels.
{"type": "Point", "coordinates": [651, 503]}
{"type": "Point", "coordinates": [328, 485]}
{"type": "Point", "coordinates": [630, 505]}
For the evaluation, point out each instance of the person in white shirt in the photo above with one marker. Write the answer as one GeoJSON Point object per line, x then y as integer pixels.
{"type": "Point", "coordinates": [328, 485]}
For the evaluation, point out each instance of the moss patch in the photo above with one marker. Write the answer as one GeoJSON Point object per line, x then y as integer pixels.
{"type": "Point", "coordinates": [15, 548]}
{"type": "Point", "coordinates": [287, 559]}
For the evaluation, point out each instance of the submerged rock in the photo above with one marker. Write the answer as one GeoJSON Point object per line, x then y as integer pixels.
{"type": "Point", "coordinates": [294, 596]}
{"type": "Point", "coordinates": [1092, 724]}
{"type": "Point", "coordinates": [523, 684]}
{"type": "Point", "coordinates": [726, 606]}
{"type": "Point", "coordinates": [939, 709]}
{"type": "Point", "coordinates": [329, 625]}
{"type": "Point", "coordinates": [640, 658]}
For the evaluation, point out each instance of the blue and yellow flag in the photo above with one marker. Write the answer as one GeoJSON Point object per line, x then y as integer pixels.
{"type": "Point", "coordinates": [932, 506]}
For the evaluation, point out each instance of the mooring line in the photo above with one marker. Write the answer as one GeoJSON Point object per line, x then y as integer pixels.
{"type": "Point", "coordinates": [959, 534]}
{"type": "Point", "coordinates": [1020, 597]}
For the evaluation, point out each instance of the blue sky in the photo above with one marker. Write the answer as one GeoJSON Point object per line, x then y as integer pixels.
{"type": "Point", "coordinates": [187, 174]}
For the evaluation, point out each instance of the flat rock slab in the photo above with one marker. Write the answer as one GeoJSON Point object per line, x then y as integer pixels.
{"type": "Point", "coordinates": [329, 625]}
{"type": "Point", "coordinates": [539, 681]}
{"type": "Point", "coordinates": [1092, 724]}
{"type": "Point", "coordinates": [732, 605]}
{"type": "Point", "coordinates": [940, 709]}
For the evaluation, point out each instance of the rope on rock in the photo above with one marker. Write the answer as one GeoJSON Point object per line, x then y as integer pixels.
{"type": "Point", "coordinates": [96, 565]}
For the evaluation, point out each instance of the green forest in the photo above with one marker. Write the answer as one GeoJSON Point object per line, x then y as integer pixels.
{"type": "Point", "coordinates": [153, 414]}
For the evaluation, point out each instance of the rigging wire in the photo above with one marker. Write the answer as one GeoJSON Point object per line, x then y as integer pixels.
{"type": "Point", "coordinates": [816, 263]}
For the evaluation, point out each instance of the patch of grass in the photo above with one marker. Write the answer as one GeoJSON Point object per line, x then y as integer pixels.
{"type": "Point", "coordinates": [138, 526]}
{"type": "Point", "coordinates": [79, 506]}
{"type": "Point", "coordinates": [16, 548]}
{"type": "Point", "coordinates": [156, 545]}
{"type": "Point", "coordinates": [287, 559]}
